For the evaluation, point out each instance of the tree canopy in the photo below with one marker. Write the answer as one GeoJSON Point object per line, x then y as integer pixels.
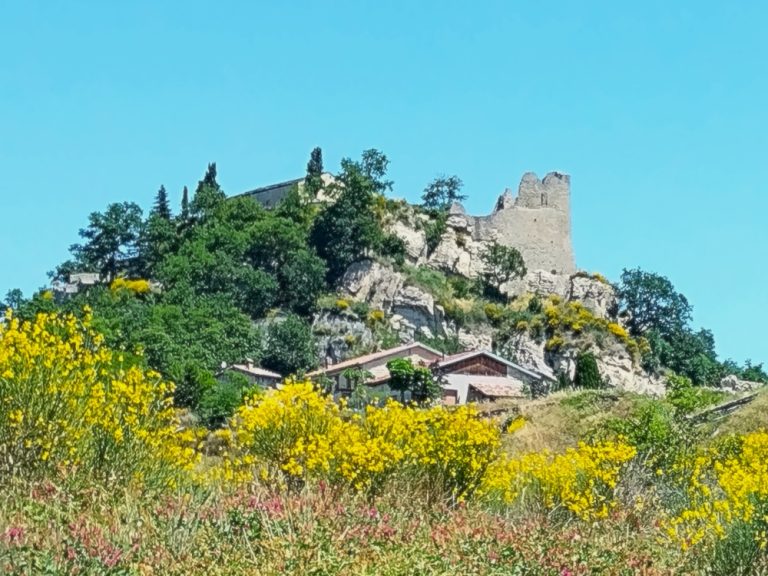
{"type": "Point", "coordinates": [650, 302]}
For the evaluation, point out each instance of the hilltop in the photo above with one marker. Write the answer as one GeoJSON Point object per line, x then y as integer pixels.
{"type": "Point", "coordinates": [604, 440]}
{"type": "Point", "coordinates": [327, 267]}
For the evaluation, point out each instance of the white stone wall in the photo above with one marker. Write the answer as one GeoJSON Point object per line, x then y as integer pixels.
{"type": "Point", "coordinates": [537, 222]}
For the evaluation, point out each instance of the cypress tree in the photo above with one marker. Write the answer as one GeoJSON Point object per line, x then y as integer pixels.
{"type": "Point", "coordinates": [185, 204]}
{"type": "Point", "coordinates": [314, 181]}
{"type": "Point", "coordinates": [161, 207]}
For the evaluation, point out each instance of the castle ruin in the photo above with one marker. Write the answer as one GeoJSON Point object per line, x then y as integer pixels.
{"type": "Point", "coordinates": [537, 222]}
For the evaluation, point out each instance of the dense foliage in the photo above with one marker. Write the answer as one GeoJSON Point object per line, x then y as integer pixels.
{"type": "Point", "coordinates": [654, 310]}
{"type": "Point", "coordinates": [217, 269]}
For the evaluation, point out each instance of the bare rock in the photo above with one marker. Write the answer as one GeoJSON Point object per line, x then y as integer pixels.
{"type": "Point", "coordinates": [594, 294]}
{"type": "Point", "coordinates": [733, 382]}
{"type": "Point", "coordinates": [372, 282]}
{"type": "Point", "coordinates": [338, 335]}
{"type": "Point", "coordinates": [527, 352]}
{"type": "Point", "coordinates": [541, 282]}
{"type": "Point", "coordinates": [414, 239]}
{"type": "Point", "coordinates": [618, 371]}
{"type": "Point", "coordinates": [417, 313]}
{"type": "Point", "coordinates": [474, 341]}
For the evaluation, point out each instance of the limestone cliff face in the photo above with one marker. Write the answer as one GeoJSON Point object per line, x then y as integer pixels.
{"type": "Point", "coordinates": [537, 222]}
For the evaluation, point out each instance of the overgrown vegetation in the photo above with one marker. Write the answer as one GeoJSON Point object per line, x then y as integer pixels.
{"type": "Point", "coordinates": [195, 289]}
{"type": "Point", "coordinates": [627, 485]}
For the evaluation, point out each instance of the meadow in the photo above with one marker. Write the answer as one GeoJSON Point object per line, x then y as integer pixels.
{"type": "Point", "coordinates": [101, 474]}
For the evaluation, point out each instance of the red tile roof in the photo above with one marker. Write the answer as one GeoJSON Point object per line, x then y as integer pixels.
{"type": "Point", "coordinates": [353, 362]}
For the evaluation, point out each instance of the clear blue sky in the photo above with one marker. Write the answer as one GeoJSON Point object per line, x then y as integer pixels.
{"type": "Point", "coordinates": [658, 110]}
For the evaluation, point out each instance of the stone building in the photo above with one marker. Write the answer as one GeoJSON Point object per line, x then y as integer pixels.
{"type": "Point", "coordinates": [271, 195]}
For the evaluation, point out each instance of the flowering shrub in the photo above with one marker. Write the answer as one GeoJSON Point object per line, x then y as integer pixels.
{"type": "Point", "coordinates": [70, 405]}
{"type": "Point", "coordinates": [342, 304]}
{"type": "Point", "coordinates": [376, 316]}
{"type": "Point", "coordinates": [727, 486]}
{"type": "Point", "coordinates": [581, 480]}
{"type": "Point", "coordinates": [138, 286]}
{"type": "Point", "coordinates": [299, 433]}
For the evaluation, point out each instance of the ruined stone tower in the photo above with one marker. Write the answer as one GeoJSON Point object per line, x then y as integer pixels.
{"type": "Point", "coordinates": [537, 222]}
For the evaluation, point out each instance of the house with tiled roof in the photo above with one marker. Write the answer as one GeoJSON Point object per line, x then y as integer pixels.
{"type": "Point", "coordinates": [481, 375]}
{"type": "Point", "coordinates": [474, 376]}
{"type": "Point", "coordinates": [375, 364]}
{"type": "Point", "coordinates": [254, 374]}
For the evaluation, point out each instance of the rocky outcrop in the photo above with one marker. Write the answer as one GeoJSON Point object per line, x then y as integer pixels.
{"type": "Point", "coordinates": [412, 312]}
{"type": "Point", "coordinates": [372, 282]}
{"type": "Point", "coordinates": [414, 238]}
{"type": "Point", "coordinates": [339, 334]}
{"type": "Point", "coordinates": [735, 384]}
{"type": "Point", "coordinates": [595, 294]}
{"type": "Point", "coordinates": [528, 352]}
{"type": "Point", "coordinates": [418, 314]}
{"type": "Point", "coordinates": [475, 340]}
{"type": "Point", "coordinates": [615, 364]}
{"type": "Point", "coordinates": [618, 371]}
{"type": "Point", "coordinates": [539, 282]}
{"type": "Point", "coordinates": [458, 252]}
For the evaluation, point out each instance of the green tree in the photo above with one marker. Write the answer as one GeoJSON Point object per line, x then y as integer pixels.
{"type": "Point", "coordinates": [502, 264]}
{"type": "Point", "coordinates": [442, 192]}
{"type": "Point", "coordinates": [690, 354]}
{"type": "Point", "coordinates": [302, 281]}
{"type": "Point", "coordinates": [290, 347]}
{"type": "Point", "coordinates": [184, 214]}
{"type": "Point", "coordinates": [650, 302]}
{"type": "Point", "coordinates": [348, 230]}
{"type": "Point", "coordinates": [418, 380]}
{"type": "Point", "coordinates": [754, 372]}
{"type": "Point", "coordinates": [208, 195]}
{"type": "Point", "coordinates": [587, 375]}
{"type": "Point", "coordinates": [111, 240]}
{"type": "Point", "coordinates": [219, 402]}
{"type": "Point", "coordinates": [159, 238]}
{"type": "Point", "coordinates": [313, 182]}
{"type": "Point", "coordinates": [296, 208]}
{"type": "Point", "coordinates": [162, 208]}
{"type": "Point", "coordinates": [14, 299]}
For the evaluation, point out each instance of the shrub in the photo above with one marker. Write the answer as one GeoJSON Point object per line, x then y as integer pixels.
{"type": "Point", "coordinates": [290, 346]}
{"type": "Point", "coordinates": [494, 313]}
{"type": "Point", "coordinates": [686, 398]}
{"type": "Point", "coordinates": [618, 331]}
{"type": "Point", "coordinates": [219, 401]}
{"type": "Point", "coordinates": [586, 376]}
{"type": "Point", "coordinates": [342, 304]}
{"type": "Point", "coordinates": [535, 306]}
{"type": "Point", "coordinates": [554, 343]}
{"type": "Point", "coordinates": [434, 230]}
{"type": "Point", "coordinates": [70, 407]}
{"type": "Point", "coordinates": [360, 308]}
{"type": "Point", "coordinates": [444, 344]}
{"type": "Point", "coordinates": [376, 316]}
{"type": "Point", "coordinates": [138, 286]}
{"type": "Point", "coordinates": [296, 434]}
{"type": "Point", "coordinates": [463, 287]}
{"type": "Point", "coordinates": [581, 481]}
{"type": "Point", "coordinates": [394, 247]}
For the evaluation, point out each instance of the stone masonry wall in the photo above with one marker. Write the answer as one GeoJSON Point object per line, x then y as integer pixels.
{"type": "Point", "coordinates": [537, 222]}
